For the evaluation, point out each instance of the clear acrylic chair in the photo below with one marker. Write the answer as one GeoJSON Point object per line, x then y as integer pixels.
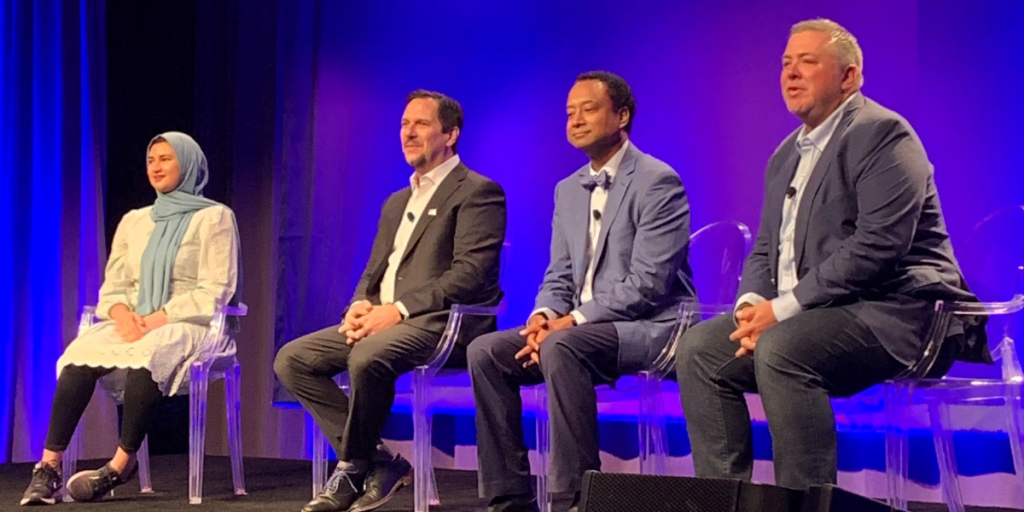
{"type": "Point", "coordinates": [993, 263]}
{"type": "Point", "coordinates": [422, 389]}
{"type": "Point", "coordinates": [210, 366]}
{"type": "Point", "coordinates": [717, 253]}
{"type": "Point", "coordinates": [651, 419]}
{"type": "Point", "coordinates": [425, 488]}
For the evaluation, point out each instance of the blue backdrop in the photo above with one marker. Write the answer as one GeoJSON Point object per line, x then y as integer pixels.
{"type": "Point", "coordinates": [51, 156]}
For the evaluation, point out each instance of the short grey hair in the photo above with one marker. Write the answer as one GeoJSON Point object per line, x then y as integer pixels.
{"type": "Point", "coordinates": [842, 41]}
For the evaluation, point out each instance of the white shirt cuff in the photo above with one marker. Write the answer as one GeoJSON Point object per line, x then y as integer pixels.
{"type": "Point", "coordinates": [402, 310]}
{"type": "Point", "coordinates": [785, 307]}
{"type": "Point", "coordinates": [576, 315]}
{"type": "Point", "coordinates": [749, 298]}
{"type": "Point", "coordinates": [548, 312]}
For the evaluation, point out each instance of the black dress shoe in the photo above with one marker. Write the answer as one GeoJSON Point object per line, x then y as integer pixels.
{"type": "Point", "coordinates": [93, 485]}
{"type": "Point", "coordinates": [384, 480]}
{"type": "Point", "coordinates": [337, 496]}
{"type": "Point", "coordinates": [516, 503]}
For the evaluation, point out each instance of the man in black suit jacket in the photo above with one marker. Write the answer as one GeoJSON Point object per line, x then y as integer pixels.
{"type": "Point", "coordinates": [837, 295]}
{"type": "Point", "coordinates": [438, 243]}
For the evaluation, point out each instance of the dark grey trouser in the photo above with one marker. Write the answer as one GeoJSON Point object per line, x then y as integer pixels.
{"type": "Point", "coordinates": [572, 362]}
{"type": "Point", "coordinates": [797, 365]}
{"type": "Point", "coordinates": [353, 425]}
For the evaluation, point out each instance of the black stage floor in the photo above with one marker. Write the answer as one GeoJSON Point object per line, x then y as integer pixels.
{"type": "Point", "coordinates": [273, 485]}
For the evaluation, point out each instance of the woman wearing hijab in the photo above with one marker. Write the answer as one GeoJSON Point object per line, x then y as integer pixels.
{"type": "Point", "coordinates": [170, 265]}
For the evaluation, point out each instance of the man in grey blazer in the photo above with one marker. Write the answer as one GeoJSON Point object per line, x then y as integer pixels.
{"type": "Point", "coordinates": [619, 238]}
{"type": "Point", "coordinates": [851, 255]}
{"type": "Point", "coordinates": [438, 243]}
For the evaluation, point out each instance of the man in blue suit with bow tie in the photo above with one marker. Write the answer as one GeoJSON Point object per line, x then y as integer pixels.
{"type": "Point", "coordinates": [607, 305]}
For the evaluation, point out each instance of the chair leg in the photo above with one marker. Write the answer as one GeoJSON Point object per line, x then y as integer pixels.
{"type": "Point", "coordinates": [233, 402]}
{"type": "Point", "coordinates": [659, 432]}
{"type": "Point", "coordinates": [435, 497]}
{"type": "Point", "coordinates": [1013, 414]}
{"type": "Point", "coordinates": [938, 412]}
{"type": "Point", "coordinates": [650, 422]}
{"type": "Point", "coordinates": [69, 461]}
{"type": "Point", "coordinates": [543, 447]}
{"type": "Point", "coordinates": [319, 457]}
{"type": "Point", "coordinates": [197, 433]}
{"type": "Point", "coordinates": [643, 423]}
{"type": "Point", "coordinates": [897, 448]}
{"type": "Point", "coordinates": [142, 459]}
{"type": "Point", "coordinates": [424, 486]}
{"type": "Point", "coordinates": [659, 438]}
{"type": "Point", "coordinates": [320, 445]}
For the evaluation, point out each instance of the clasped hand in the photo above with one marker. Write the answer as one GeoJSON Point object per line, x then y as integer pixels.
{"type": "Point", "coordinates": [537, 329]}
{"type": "Point", "coordinates": [131, 326]}
{"type": "Point", "coordinates": [364, 319]}
{"type": "Point", "coordinates": [753, 321]}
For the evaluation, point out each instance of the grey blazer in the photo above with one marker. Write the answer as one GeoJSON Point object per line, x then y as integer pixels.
{"type": "Point", "coordinates": [870, 235]}
{"type": "Point", "coordinates": [452, 257]}
{"type": "Point", "coordinates": [643, 243]}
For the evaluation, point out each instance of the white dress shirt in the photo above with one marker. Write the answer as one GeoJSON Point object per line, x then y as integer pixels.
{"type": "Point", "coordinates": [423, 188]}
{"type": "Point", "coordinates": [598, 198]}
{"type": "Point", "coordinates": [810, 146]}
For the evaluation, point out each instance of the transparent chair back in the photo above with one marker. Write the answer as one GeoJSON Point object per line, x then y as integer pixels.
{"type": "Point", "coordinates": [992, 260]}
{"type": "Point", "coordinates": [717, 253]}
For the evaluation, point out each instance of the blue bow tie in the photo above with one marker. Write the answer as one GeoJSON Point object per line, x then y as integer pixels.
{"type": "Point", "coordinates": [602, 179]}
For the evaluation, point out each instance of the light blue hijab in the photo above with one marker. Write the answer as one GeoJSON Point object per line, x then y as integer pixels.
{"type": "Point", "coordinates": [172, 212]}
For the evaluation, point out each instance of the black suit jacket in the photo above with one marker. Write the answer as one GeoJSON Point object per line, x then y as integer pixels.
{"type": "Point", "coordinates": [453, 257]}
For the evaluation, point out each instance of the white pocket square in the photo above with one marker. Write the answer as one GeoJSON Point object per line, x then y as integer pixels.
{"type": "Point", "coordinates": [432, 212]}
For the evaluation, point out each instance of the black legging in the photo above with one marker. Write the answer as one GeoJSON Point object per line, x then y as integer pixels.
{"type": "Point", "coordinates": [74, 389]}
